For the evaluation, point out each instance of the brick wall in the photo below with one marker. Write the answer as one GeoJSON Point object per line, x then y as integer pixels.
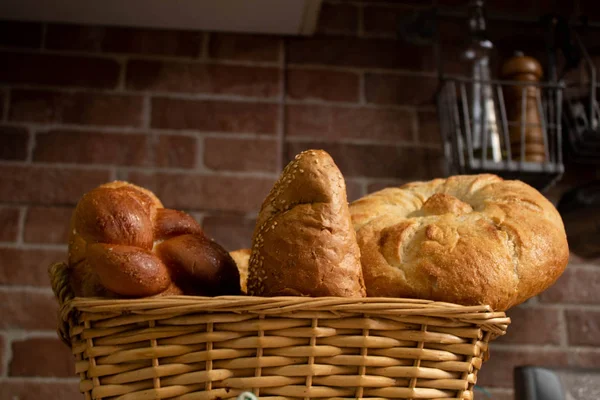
{"type": "Point", "coordinates": [207, 120]}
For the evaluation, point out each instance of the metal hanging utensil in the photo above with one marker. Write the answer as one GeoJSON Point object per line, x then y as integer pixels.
{"type": "Point", "coordinates": [484, 131]}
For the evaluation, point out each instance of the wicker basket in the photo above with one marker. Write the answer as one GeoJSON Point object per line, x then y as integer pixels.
{"type": "Point", "coordinates": [279, 348]}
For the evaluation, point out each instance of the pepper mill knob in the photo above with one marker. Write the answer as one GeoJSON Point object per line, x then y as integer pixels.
{"type": "Point", "coordinates": [521, 68]}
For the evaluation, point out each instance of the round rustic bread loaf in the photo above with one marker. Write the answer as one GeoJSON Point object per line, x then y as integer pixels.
{"type": "Point", "coordinates": [466, 239]}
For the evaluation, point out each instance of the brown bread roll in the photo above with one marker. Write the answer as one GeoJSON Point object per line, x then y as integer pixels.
{"type": "Point", "coordinates": [304, 243]}
{"type": "Point", "coordinates": [123, 243]}
{"type": "Point", "coordinates": [466, 239]}
{"type": "Point", "coordinates": [199, 265]}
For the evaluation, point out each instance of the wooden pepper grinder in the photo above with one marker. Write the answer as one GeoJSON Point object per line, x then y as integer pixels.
{"type": "Point", "coordinates": [524, 69]}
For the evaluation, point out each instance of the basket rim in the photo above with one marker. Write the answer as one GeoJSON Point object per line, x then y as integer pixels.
{"type": "Point", "coordinates": [258, 304]}
{"type": "Point", "coordinates": [482, 316]}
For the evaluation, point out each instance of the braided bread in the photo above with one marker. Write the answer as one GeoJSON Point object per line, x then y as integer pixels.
{"type": "Point", "coordinates": [466, 239]}
{"type": "Point", "coordinates": [123, 243]}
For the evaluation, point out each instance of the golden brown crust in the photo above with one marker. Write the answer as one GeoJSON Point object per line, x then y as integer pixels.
{"type": "Point", "coordinates": [242, 258]}
{"type": "Point", "coordinates": [304, 244]}
{"type": "Point", "coordinates": [467, 239]}
{"type": "Point", "coordinates": [116, 230]}
{"type": "Point", "coordinates": [128, 270]}
{"type": "Point", "coordinates": [170, 223]}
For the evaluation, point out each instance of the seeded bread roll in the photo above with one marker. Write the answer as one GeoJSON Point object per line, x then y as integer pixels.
{"type": "Point", "coordinates": [304, 243]}
{"type": "Point", "coordinates": [466, 239]}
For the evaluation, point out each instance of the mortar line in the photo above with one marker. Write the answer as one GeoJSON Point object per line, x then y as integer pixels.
{"type": "Point", "coordinates": [282, 129]}
{"type": "Point", "coordinates": [21, 225]}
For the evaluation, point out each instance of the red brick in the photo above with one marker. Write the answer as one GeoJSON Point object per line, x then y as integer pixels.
{"type": "Point", "coordinates": [574, 259]}
{"type": "Point", "coordinates": [335, 123]}
{"type": "Point", "coordinates": [75, 108]}
{"type": "Point", "coordinates": [382, 161]}
{"type": "Point", "coordinates": [26, 389]}
{"type": "Point", "coordinates": [528, 35]}
{"type": "Point", "coordinates": [203, 78]}
{"type": "Point", "coordinates": [52, 185]}
{"type": "Point", "coordinates": [378, 19]}
{"type": "Point", "coordinates": [583, 327]}
{"type": "Point", "coordinates": [74, 37]}
{"type": "Point", "coordinates": [322, 84]}
{"type": "Point", "coordinates": [589, 8]}
{"type": "Point", "coordinates": [370, 123]}
{"type": "Point", "coordinates": [59, 70]}
{"type": "Point", "coordinates": [452, 31]}
{"type": "Point", "coordinates": [498, 370]}
{"type": "Point", "coordinates": [496, 394]}
{"type": "Point", "coordinates": [451, 64]}
{"type": "Point", "coordinates": [511, 7]}
{"type": "Point", "coordinates": [380, 185]}
{"type": "Point", "coordinates": [429, 127]}
{"type": "Point", "coordinates": [9, 221]}
{"type": "Point", "coordinates": [22, 309]}
{"type": "Point", "coordinates": [201, 192]}
{"type": "Point", "coordinates": [233, 232]}
{"type": "Point", "coordinates": [239, 47]}
{"type": "Point", "coordinates": [440, 2]}
{"type": "Point", "coordinates": [28, 266]}
{"type": "Point", "coordinates": [400, 89]}
{"type": "Point", "coordinates": [576, 285]}
{"type": "Point", "coordinates": [47, 225]}
{"type": "Point", "coordinates": [338, 18]}
{"type": "Point", "coordinates": [241, 154]}
{"type": "Point", "coordinates": [91, 148]}
{"type": "Point", "coordinates": [13, 143]}
{"type": "Point", "coordinates": [210, 115]}
{"type": "Point", "coordinates": [41, 357]}
{"type": "Point", "coordinates": [124, 40]}
{"type": "Point", "coordinates": [174, 151]}
{"type": "Point", "coordinates": [533, 326]}
{"type": "Point", "coordinates": [354, 190]}
{"type": "Point", "coordinates": [360, 52]}
{"type": "Point", "coordinates": [20, 34]}
{"type": "Point", "coordinates": [584, 358]}
{"type": "Point", "coordinates": [3, 99]}
{"type": "Point", "coordinates": [2, 355]}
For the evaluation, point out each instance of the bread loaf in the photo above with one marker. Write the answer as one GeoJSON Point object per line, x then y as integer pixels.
{"type": "Point", "coordinates": [242, 258]}
{"type": "Point", "coordinates": [466, 239]}
{"type": "Point", "coordinates": [123, 243]}
{"type": "Point", "coordinates": [304, 243]}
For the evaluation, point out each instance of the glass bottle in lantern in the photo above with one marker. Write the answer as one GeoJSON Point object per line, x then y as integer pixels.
{"type": "Point", "coordinates": [482, 122]}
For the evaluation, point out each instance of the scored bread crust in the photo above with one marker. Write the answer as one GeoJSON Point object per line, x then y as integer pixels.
{"type": "Point", "coordinates": [469, 240]}
{"type": "Point", "coordinates": [304, 243]}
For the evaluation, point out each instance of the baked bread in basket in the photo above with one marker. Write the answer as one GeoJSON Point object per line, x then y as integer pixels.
{"type": "Point", "coordinates": [423, 254]}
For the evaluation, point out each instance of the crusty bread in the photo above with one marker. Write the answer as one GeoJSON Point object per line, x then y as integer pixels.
{"type": "Point", "coordinates": [304, 243]}
{"type": "Point", "coordinates": [466, 239]}
{"type": "Point", "coordinates": [242, 258]}
{"type": "Point", "coordinates": [123, 243]}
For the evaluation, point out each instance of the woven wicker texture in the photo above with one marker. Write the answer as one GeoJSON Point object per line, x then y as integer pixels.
{"type": "Point", "coordinates": [278, 348]}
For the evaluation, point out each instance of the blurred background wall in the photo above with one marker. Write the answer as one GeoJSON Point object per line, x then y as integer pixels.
{"type": "Point", "coordinates": [206, 120]}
